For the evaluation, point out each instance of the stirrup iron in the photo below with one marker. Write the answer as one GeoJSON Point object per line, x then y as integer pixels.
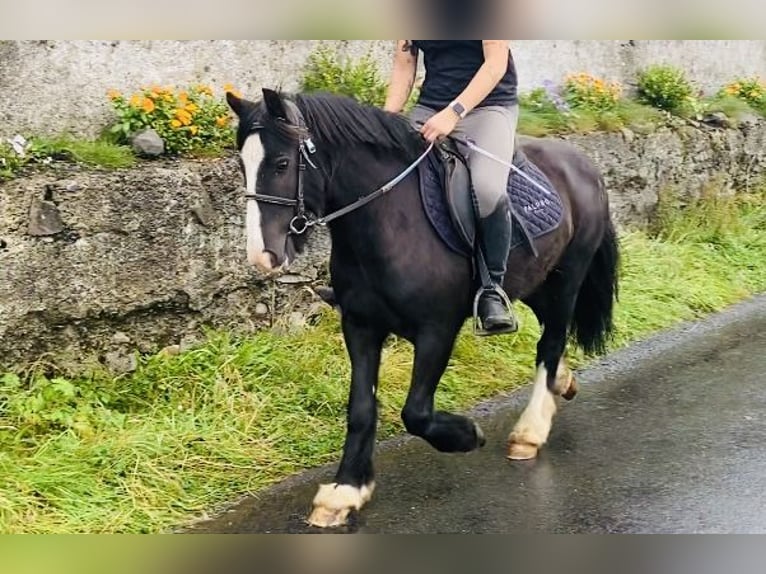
{"type": "Point", "coordinates": [478, 328]}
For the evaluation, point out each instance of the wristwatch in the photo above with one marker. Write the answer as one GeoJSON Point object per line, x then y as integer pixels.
{"type": "Point", "coordinates": [458, 108]}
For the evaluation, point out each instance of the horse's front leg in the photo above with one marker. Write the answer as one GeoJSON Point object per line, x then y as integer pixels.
{"type": "Point", "coordinates": [354, 481]}
{"type": "Point", "coordinates": [445, 431]}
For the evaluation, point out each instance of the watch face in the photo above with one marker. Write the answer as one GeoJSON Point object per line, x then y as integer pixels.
{"type": "Point", "coordinates": [459, 109]}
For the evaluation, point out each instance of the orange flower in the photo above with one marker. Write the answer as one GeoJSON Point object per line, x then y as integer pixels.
{"type": "Point", "coordinates": [191, 108]}
{"type": "Point", "coordinates": [136, 100]}
{"type": "Point", "coordinates": [175, 123]}
{"type": "Point", "coordinates": [113, 94]}
{"type": "Point", "coordinates": [183, 97]}
{"type": "Point", "coordinates": [183, 116]}
{"type": "Point", "coordinates": [222, 121]}
{"type": "Point", "coordinates": [229, 88]}
{"type": "Point", "coordinates": [148, 106]}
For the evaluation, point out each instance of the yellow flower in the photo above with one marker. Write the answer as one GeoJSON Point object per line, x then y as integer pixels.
{"type": "Point", "coordinates": [113, 94]}
{"type": "Point", "coordinates": [136, 100]}
{"type": "Point", "coordinates": [148, 106]}
{"type": "Point", "coordinates": [203, 89]}
{"type": "Point", "coordinates": [191, 108]}
{"type": "Point", "coordinates": [222, 121]}
{"type": "Point", "coordinates": [183, 97]}
{"type": "Point", "coordinates": [229, 88]}
{"type": "Point", "coordinates": [193, 130]}
{"type": "Point", "coordinates": [183, 116]}
{"type": "Point", "coordinates": [175, 123]}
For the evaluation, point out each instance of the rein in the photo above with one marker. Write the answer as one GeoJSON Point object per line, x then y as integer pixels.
{"type": "Point", "coordinates": [304, 220]}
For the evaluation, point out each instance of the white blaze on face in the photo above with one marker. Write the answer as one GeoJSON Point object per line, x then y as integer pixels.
{"type": "Point", "coordinates": [252, 155]}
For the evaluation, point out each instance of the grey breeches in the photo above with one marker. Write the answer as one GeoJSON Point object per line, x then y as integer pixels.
{"type": "Point", "coordinates": [493, 128]}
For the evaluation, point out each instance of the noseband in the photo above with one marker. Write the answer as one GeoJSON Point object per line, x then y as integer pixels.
{"type": "Point", "coordinates": [303, 220]}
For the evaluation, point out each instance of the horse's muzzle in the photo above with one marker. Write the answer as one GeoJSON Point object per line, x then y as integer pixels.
{"type": "Point", "coordinates": [264, 260]}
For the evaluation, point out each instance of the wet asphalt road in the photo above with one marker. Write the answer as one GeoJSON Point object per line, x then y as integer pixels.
{"type": "Point", "coordinates": [667, 436]}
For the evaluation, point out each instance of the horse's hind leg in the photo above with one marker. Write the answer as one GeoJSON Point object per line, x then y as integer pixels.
{"type": "Point", "coordinates": [354, 481]}
{"type": "Point", "coordinates": [554, 306]}
{"type": "Point", "coordinates": [446, 432]}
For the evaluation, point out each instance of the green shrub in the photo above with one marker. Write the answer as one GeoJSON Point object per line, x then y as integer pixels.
{"type": "Point", "coordinates": [591, 93]}
{"type": "Point", "coordinates": [188, 121]}
{"type": "Point", "coordinates": [666, 88]}
{"type": "Point", "coordinates": [326, 71]}
{"type": "Point", "coordinates": [752, 91]}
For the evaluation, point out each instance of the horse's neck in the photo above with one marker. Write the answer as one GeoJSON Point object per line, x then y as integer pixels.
{"type": "Point", "coordinates": [367, 229]}
{"type": "Point", "coordinates": [359, 173]}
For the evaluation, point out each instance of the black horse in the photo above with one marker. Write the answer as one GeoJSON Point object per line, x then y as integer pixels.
{"type": "Point", "coordinates": [310, 156]}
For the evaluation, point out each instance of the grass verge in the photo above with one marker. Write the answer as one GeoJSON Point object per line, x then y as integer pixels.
{"type": "Point", "coordinates": [94, 153]}
{"type": "Point", "coordinates": [100, 153]}
{"type": "Point", "coordinates": [151, 450]}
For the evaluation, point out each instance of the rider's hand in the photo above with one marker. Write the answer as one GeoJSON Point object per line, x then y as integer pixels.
{"type": "Point", "coordinates": [439, 125]}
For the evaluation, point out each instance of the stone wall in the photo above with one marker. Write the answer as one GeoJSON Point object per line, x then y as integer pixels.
{"type": "Point", "coordinates": [95, 264]}
{"type": "Point", "coordinates": [47, 87]}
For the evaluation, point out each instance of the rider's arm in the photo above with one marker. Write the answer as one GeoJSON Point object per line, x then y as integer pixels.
{"type": "Point", "coordinates": [496, 54]}
{"type": "Point", "coordinates": [402, 76]}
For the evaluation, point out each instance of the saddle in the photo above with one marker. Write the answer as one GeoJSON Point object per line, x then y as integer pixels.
{"type": "Point", "coordinates": [451, 206]}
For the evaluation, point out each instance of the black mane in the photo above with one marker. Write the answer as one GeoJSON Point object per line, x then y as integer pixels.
{"type": "Point", "coordinates": [341, 122]}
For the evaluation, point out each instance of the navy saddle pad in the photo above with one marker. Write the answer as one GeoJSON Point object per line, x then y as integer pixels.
{"type": "Point", "coordinates": [535, 211]}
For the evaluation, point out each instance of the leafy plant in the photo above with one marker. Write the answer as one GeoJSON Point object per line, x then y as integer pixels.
{"type": "Point", "coordinates": [11, 160]}
{"type": "Point", "coordinates": [750, 90]}
{"type": "Point", "coordinates": [665, 87]}
{"type": "Point", "coordinates": [188, 121]}
{"type": "Point", "coordinates": [326, 71]}
{"type": "Point", "coordinates": [591, 93]}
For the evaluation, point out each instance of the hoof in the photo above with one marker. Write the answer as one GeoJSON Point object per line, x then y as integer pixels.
{"type": "Point", "coordinates": [571, 391]}
{"type": "Point", "coordinates": [480, 438]}
{"type": "Point", "coordinates": [522, 451]}
{"type": "Point", "coordinates": [334, 502]}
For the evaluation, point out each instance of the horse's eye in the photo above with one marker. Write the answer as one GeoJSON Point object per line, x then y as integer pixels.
{"type": "Point", "coordinates": [282, 165]}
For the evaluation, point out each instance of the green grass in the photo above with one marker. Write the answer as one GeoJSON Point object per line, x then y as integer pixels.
{"type": "Point", "coordinates": [100, 153]}
{"type": "Point", "coordinates": [93, 153]}
{"type": "Point", "coordinates": [145, 452]}
{"type": "Point", "coordinates": [543, 120]}
{"type": "Point", "coordinates": [734, 108]}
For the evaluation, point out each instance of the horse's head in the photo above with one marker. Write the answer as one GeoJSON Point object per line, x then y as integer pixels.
{"type": "Point", "coordinates": [274, 147]}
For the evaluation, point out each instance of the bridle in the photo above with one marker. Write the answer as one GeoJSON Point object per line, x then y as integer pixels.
{"type": "Point", "coordinates": [303, 220]}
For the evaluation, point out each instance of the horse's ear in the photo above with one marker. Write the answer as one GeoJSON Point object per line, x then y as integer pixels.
{"type": "Point", "coordinates": [237, 104]}
{"type": "Point", "coordinates": [274, 104]}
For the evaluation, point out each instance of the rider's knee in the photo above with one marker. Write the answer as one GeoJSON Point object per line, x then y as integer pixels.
{"type": "Point", "coordinates": [490, 195]}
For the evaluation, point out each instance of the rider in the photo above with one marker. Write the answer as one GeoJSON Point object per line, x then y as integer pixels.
{"type": "Point", "coordinates": [470, 90]}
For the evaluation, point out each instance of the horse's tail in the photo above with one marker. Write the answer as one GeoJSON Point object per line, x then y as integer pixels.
{"type": "Point", "coordinates": [592, 324]}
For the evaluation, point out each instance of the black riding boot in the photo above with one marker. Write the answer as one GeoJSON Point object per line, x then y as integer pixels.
{"type": "Point", "coordinates": [494, 308]}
